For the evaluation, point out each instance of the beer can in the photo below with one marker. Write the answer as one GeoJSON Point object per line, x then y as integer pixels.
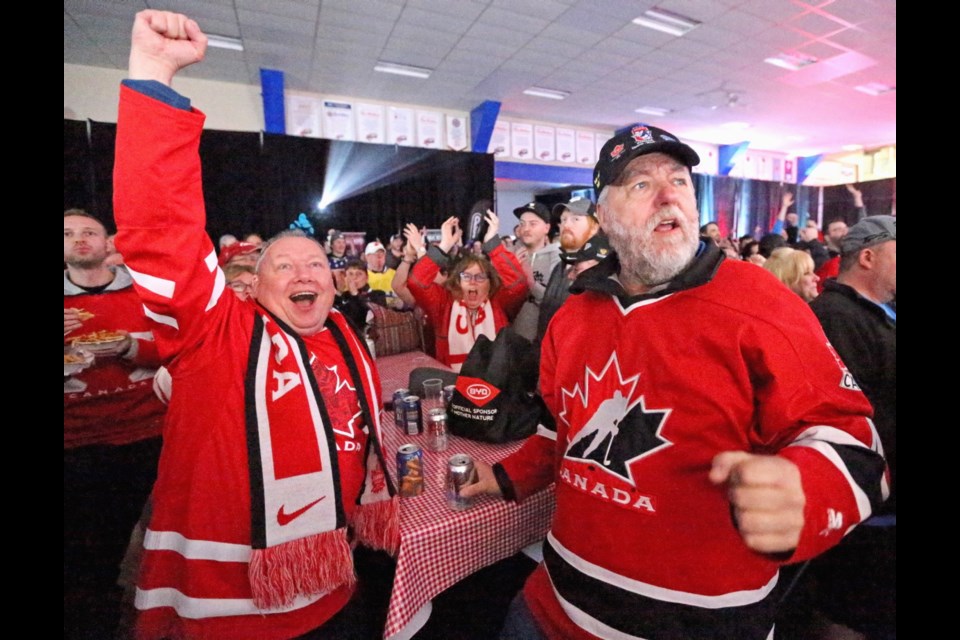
{"type": "Point", "coordinates": [436, 428]}
{"type": "Point", "coordinates": [410, 470]}
{"type": "Point", "coordinates": [460, 472]}
{"type": "Point", "coordinates": [398, 415]}
{"type": "Point", "coordinates": [412, 416]}
{"type": "Point", "coordinates": [448, 394]}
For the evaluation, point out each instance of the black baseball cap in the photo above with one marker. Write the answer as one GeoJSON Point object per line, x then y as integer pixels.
{"type": "Point", "coordinates": [639, 140]}
{"type": "Point", "coordinates": [535, 208]}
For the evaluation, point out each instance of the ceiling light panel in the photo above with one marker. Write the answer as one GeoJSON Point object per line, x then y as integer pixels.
{"type": "Point", "coordinates": [402, 69]}
{"type": "Point", "coordinates": [666, 22]}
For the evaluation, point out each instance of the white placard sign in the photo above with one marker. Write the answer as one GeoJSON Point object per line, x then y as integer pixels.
{"type": "Point", "coordinates": [545, 142]}
{"type": "Point", "coordinates": [428, 129]}
{"type": "Point", "coordinates": [456, 133]}
{"type": "Point", "coordinates": [521, 135]}
{"type": "Point", "coordinates": [400, 126]}
{"type": "Point", "coordinates": [370, 123]}
{"type": "Point", "coordinates": [303, 114]}
{"type": "Point", "coordinates": [500, 140]}
{"type": "Point", "coordinates": [586, 148]}
{"type": "Point", "coordinates": [566, 145]}
{"type": "Point", "coordinates": [338, 120]}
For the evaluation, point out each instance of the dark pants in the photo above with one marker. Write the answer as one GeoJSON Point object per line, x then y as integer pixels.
{"type": "Point", "coordinates": [104, 490]}
{"type": "Point", "coordinates": [520, 623]}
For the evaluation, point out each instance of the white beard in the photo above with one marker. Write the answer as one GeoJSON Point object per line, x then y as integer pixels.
{"type": "Point", "coordinates": [643, 263]}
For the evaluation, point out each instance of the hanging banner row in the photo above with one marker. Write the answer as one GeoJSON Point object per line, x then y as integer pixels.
{"type": "Point", "coordinates": [381, 124]}
{"type": "Point", "coordinates": [545, 143]}
{"type": "Point", "coordinates": [375, 123]}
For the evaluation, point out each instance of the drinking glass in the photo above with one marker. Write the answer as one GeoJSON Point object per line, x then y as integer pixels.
{"type": "Point", "coordinates": [432, 394]}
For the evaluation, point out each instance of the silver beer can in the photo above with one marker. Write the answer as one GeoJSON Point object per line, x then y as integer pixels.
{"type": "Point", "coordinates": [460, 472]}
{"type": "Point", "coordinates": [436, 428]}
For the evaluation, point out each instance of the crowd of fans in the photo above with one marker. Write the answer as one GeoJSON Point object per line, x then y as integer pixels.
{"type": "Point", "coordinates": [204, 349]}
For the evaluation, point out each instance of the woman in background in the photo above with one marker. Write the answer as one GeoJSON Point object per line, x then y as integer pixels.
{"type": "Point", "coordinates": [479, 296]}
{"type": "Point", "coordinates": [794, 268]}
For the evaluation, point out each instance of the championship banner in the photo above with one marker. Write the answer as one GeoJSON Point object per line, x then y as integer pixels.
{"type": "Point", "coordinates": [545, 142]}
{"type": "Point", "coordinates": [370, 123]}
{"type": "Point", "coordinates": [521, 139]}
{"type": "Point", "coordinates": [400, 126]}
{"type": "Point", "coordinates": [303, 114]}
{"type": "Point", "coordinates": [586, 148]}
{"type": "Point", "coordinates": [566, 145]}
{"type": "Point", "coordinates": [338, 120]}
{"type": "Point", "coordinates": [428, 129]}
{"type": "Point", "coordinates": [500, 140]}
{"type": "Point", "coordinates": [456, 133]}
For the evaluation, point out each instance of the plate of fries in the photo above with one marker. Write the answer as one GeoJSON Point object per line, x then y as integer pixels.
{"type": "Point", "coordinates": [75, 361]}
{"type": "Point", "coordinates": [98, 340]}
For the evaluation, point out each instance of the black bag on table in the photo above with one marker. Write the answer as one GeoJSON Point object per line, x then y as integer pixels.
{"type": "Point", "coordinates": [495, 398]}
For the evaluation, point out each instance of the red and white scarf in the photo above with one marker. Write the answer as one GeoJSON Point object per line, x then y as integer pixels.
{"type": "Point", "coordinates": [464, 329]}
{"type": "Point", "coordinates": [298, 523]}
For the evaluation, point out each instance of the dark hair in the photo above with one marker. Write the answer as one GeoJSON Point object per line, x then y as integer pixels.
{"type": "Point", "coordinates": [83, 213]}
{"type": "Point", "coordinates": [452, 283]}
{"type": "Point", "coordinates": [769, 242]}
{"type": "Point", "coordinates": [355, 263]}
{"type": "Point", "coordinates": [703, 229]}
{"type": "Point", "coordinates": [746, 250]}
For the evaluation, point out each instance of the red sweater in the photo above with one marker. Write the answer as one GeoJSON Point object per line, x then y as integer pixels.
{"type": "Point", "coordinates": [194, 577]}
{"type": "Point", "coordinates": [437, 301]}
{"type": "Point", "coordinates": [112, 402]}
{"type": "Point", "coordinates": [645, 394]}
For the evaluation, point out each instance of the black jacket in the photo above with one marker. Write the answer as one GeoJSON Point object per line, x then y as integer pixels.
{"type": "Point", "coordinates": [866, 339]}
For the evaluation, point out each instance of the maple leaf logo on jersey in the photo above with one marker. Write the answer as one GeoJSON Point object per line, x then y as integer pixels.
{"type": "Point", "coordinates": [610, 423]}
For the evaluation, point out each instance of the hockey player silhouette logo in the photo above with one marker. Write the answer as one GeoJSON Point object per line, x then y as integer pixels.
{"type": "Point", "coordinates": [618, 429]}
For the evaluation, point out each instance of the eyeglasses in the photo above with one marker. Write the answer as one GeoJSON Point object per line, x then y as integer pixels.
{"type": "Point", "coordinates": [239, 287]}
{"type": "Point", "coordinates": [473, 277]}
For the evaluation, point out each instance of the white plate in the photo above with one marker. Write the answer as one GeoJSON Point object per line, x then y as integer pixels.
{"type": "Point", "coordinates": [97, 346]}
{"type": "Point", "coordinates": [71, 368]}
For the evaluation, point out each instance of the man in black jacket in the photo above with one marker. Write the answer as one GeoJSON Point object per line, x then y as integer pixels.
{"type": "Point", "coordinates": [857, 579]}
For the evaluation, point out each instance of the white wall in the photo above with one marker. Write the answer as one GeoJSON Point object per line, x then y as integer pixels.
{"type": "Point", "coordinates": [91, 93]}
{"type": "Point", "coordinates": [507, 201]}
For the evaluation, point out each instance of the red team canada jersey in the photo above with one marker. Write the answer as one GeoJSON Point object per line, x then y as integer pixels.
{"type": "Point", "coordinates": [645, 395]}
{"type": "Point", "coordinates": [113, 401]}
{"type": "Point", "coordinates": [194, 577]}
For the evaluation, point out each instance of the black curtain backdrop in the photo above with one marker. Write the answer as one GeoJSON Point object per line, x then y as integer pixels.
{"type": "Point", "coordinates": [261, 183]}
{"type": "Point", "coordinates": [78, 174]}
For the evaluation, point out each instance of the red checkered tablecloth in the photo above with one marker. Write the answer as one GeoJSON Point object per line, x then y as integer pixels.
{"type": "Point", "coordinates": [439, 546]}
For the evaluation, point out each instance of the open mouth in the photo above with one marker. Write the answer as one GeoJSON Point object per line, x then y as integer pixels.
{"type": "Point", "coordinates": [303, 299]}
{"type": "Point", "coordinates": [668, 224]}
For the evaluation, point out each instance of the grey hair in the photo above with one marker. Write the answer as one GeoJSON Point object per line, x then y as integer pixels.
{"type": "Point", "coordinates": [286, 233]}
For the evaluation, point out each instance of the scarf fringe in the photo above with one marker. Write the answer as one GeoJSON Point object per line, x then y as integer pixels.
{"type": "Point", "coordinates": [377, 524]}
{"type": "Point", "coordinates": [308, 566]}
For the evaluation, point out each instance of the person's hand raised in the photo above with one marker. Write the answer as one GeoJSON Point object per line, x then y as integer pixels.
{"type": "Point", "coordinates": [414, 242]}
{"type": "Point", "coordinates": [493, 225]}
{"type": "Point", "coordinates": [162, 43]}
{"type": "Point", "coordinates": [448, 233]}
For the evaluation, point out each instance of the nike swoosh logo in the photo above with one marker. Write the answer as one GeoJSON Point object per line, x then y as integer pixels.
{"type": "Point", "coordinates": [283, 518]}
